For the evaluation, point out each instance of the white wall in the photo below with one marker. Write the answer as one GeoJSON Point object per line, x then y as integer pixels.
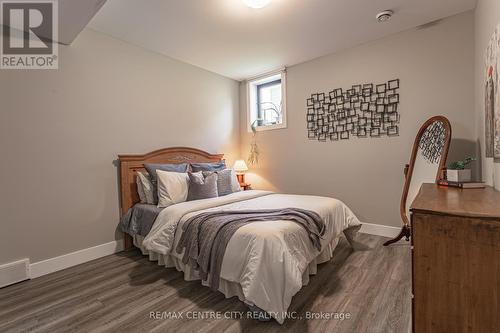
{"type": "Point", "coordinates": [61, 130]}
{"type": "Point", "coordinates": [435, 66]}
{"type": "Point", "coordinates": [487, 17]}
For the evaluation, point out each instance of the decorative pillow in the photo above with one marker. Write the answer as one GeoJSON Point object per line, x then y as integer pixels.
{"type": "Point", "coordinates": [151, 168]}
{"type": "Point", "coordinates": [212, 166]}
{"type": "Point", "coordinates": [147, 187]}
{"type": "Point", "coordinates": [203, 187]}
{"type": "Point", "coordinates": [227, 182]}
{"type": "Point", "coordinates": [172, 188]}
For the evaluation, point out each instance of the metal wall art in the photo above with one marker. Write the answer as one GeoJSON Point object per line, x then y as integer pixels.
{"type": "Point", "coordinates": [362, 111]}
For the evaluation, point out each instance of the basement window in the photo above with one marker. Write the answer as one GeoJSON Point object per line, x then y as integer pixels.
{"type": "Point", "coordinates": [266, 102]}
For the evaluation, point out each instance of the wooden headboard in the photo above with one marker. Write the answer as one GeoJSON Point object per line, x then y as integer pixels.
{"type": "Point", "coordinates": [131, 164]}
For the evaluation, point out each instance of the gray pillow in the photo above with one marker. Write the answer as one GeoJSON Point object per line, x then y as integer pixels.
{"type": "Point", "coordinates": [227, 182]}
{"type": "Point", "coordinates": [151, 169]}
{"type": "Point", "coordinates": [212, 166]}
{"type": "Point", "coordinates": [202, 187]}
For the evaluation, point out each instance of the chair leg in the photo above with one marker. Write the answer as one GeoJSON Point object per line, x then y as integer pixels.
{"type": "Point", "coordinates": [405, 232]}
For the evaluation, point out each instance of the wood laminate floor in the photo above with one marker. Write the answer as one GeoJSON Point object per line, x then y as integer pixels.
{"type": "Point", "coordinates": [117, 293]}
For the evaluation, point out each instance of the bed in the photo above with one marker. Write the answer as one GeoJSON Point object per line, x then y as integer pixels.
{"type": "Point", "coordinates": [265, 264]}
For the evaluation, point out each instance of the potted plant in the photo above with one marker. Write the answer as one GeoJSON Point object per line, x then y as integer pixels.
{"type": "Point", "coordinates": [253, 157]}
{"type": "Point", "coordinates": [458, 171]}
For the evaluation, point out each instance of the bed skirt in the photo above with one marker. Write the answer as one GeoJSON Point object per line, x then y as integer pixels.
{"type": "Point", "coordinates": [229, 288]}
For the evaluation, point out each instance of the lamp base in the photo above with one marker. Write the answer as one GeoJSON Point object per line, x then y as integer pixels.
{"type": "Point", "coordinates": [241, 178]}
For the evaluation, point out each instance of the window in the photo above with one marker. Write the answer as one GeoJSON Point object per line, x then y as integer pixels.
{"type": "Point", "coordinates": [266, 102]}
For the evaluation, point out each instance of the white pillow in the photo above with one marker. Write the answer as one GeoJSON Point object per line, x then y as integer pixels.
{"type": "Point", "coordinates": [147, 188]}
{"type": "Point", "coordinates": [235, 184]}
{"type": "Point", "coordinates": [172, 188]}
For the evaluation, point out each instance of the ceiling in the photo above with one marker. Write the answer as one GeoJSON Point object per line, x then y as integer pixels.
{"type": "Point", "coordinates": [226, 37]}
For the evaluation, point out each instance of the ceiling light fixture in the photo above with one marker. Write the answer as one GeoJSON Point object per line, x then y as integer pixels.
{"type": "Point", "coordinates": [256, 3]}
{"type": "Point", "coordinates": [384, 16]}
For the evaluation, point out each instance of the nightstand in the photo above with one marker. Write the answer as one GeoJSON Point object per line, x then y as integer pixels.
{"type": "Point", "coordinates": [246, 187]}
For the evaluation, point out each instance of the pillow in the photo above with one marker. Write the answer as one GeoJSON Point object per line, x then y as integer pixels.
{"type": "Point", "coordinates": [227, 182]}
{"type": "Point", "coordinates": [151, 168]}
{"type": "Point", "coordinates": [203, 187]}
{"type": "Point", "coordinates": [235, 183]}
{"type": "Point", "coordinates": [213, 166]}
{"type": "Point", "coordinates": [140, 190]}
{"type": "Point", "coordinates": [147, 188]}
{"type": "Point", "coordinates": [172, 188]}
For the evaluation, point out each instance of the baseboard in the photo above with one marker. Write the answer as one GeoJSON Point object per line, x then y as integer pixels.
{"type": "Point", "coordinates": [380, 230]}
{"type": "Point", "coordinates": [75, 258]}
{"type": "Point", "coordinates": [51, 265]}
{"type": "Point", "coordinates": [14, 272]}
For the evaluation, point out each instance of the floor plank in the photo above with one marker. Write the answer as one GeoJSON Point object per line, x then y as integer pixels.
{"type": "Point", "coordinates": [117, 293]}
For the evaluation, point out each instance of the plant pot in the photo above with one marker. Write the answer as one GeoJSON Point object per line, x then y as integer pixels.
{"type": "Point", "coordinates": [458, 175]}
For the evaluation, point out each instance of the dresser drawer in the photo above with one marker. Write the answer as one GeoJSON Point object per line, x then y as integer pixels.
{"type": "Point", "coordinates": [456, 273]}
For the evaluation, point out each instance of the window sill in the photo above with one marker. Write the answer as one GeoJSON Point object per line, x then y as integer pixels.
{"type": "Point", "coordinates": [268, 128]}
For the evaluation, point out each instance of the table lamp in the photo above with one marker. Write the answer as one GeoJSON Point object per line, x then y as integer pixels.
{"type": "Point", "coordinates": [240, 167]}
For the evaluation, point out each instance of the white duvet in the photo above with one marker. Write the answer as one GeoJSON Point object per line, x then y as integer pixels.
{"type": "Point", "coordinates": [266, 259]}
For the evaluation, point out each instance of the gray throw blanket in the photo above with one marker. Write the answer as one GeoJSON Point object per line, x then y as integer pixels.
{"type": "Point", "coordinates": [206, 235]}
{"type": "Point", "coordinates": [139, 219]}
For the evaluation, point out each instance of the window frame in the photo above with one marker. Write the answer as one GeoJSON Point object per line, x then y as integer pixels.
{"type": "Point", "coordinates": [253, 90]}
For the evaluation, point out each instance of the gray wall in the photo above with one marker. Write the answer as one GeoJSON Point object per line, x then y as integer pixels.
{"type": "Point", "coordinates": [487, 17]}
{"type": "Point", "coordinates": [435, 66]}
{"type": "Point", "coordinates": [61, 130]}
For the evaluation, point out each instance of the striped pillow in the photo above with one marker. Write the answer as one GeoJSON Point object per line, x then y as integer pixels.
{"type": "Point", "coordinates": [227, 182]}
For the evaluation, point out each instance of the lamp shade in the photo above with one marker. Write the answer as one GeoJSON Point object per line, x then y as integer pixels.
{"type": "Point", "coordinates": [240, 166]}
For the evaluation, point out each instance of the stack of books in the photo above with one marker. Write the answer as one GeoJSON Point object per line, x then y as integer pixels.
{"type": "Point", "coordinates": [465, 185]}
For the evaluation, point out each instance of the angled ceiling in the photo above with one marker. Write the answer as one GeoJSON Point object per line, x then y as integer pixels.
{"type": "Point", "coordinates": [226, 37]}
{"type": "Point", "coordinates": [74, 15]}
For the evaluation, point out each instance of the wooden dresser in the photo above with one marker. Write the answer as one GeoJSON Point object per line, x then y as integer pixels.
{"type": "Point", "coordinates": [456, 260]}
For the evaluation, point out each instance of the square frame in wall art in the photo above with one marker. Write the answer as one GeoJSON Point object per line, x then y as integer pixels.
{"type": "Point", "coordinates": [492, 96]}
